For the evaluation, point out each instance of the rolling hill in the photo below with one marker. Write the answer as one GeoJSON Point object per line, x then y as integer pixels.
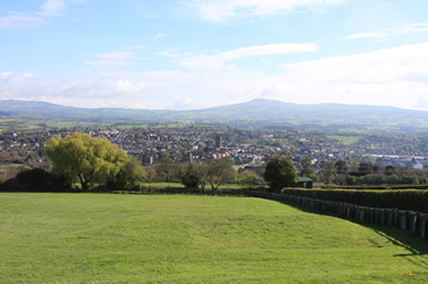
{"type": "Point", "coordinates": [258, 113]}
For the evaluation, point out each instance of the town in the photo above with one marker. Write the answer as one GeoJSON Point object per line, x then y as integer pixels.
{"type": "Point", "coordinates": [249, 149]}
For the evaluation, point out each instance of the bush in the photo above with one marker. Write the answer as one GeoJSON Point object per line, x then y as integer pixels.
{"type": "Point", "coordinates": [411, 199]}
{"type": "Point", "coordinates": [34, 179]}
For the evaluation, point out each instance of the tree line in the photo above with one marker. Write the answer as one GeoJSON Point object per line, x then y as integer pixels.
{"type": "Point", "coordinates": [82, 162]}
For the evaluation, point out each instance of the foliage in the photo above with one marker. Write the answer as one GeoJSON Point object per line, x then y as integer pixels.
{"type": "Point", "coordinates": [280, 172]}
{"type": "Point", "coordinates": [327, 172]}
{"type": "Point", "coordinates": [168, 170]}
{"type": "Point", "coordinates": [409, 199]}
{"type": "Point", "coordinates": [247, 179]}
{"type": "Point", "coordinates": [308, 169]}
{"type": "Point", "coordinates": [220, 171]}
{"type": "Point", "coordinates": [91, 159]}
{"type": "Point", "coordinates": [35, 178]}
{"type": "Point", "coordinates": [150, 173]}
{"type": "Point", "coordinates": [104, 238]}
{"type": "Point", "coordinates": [130, 176]}
{"type": "Point", "coordinates": [190, 176]}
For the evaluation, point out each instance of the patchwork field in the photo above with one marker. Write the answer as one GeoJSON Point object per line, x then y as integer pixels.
{"type": "Point", "coordinates": [97, 238]}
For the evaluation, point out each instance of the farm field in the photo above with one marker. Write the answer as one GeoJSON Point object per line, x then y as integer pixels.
{"type": "Point", "coordinates": [180, 185]}
{"type": "Point", "coordinates": [346, 140]}
{"type": "Point", "coordinates": [105, 238]}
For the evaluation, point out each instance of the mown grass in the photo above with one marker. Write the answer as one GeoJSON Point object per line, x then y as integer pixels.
{"type": "Point", "coordinates": [101, 238]}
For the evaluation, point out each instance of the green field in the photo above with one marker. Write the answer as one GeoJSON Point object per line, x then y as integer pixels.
{"type": "Point", "coordinates": [180, 185]}
{"type": "Point", "coordinates": [102, 238]}
{"type": "Point", "coordinates": [346, 140]}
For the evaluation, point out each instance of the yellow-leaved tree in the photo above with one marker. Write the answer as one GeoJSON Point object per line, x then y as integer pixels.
{"type": "Point", "coordinates": [91, 159]}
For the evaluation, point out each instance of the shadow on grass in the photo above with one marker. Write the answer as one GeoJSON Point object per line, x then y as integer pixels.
{"type": "Point", "coordinates": [417, 247]}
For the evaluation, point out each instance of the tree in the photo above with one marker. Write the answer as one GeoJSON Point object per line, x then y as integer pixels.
{"type": "Point", "coordinates": [341, 167]}
{"type": "Point", "coordinates": [129, 176]}
{"type": "Point", "coordinates": [280, 172]}
{"type": "Point", "coordinates": [190, 176]}
{"type": "Point", "coordinates": [327, 172]}
{"type": "Point", "coordinates": [308, 169]}
{"type": "Point", "coordinates": [151, 174]}
{"type": "Point", "coordinates": [167, 169]}
{"type": "Point", "coordinates": [88, 158]}
{"type": "Point", "coordinates": [365, 169]}
{"type": "Point", "coordinates": [220, 171]}
{"type": "Point", "coordinates": [247, 179]}
{"type": "Point", "coordinates": [36, 179]}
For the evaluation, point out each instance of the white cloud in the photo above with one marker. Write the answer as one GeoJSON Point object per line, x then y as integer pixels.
{"type": "Point", "coordinates": [184, 102]}
{"type": "Point", "coordinates": [222, 10]}
{"type": "Point", "coordinates": [19, 20]}
{"type": "Point", "coordinates": [394, 77]}
{"type": "Point", "coordinates": [30, 20]}
{"type": "Point", "coordinates": [158, 36]}
{"type": "Point", "coordinates": [366, 35]}
{"type": "Point", "coordinates": [114, 58]}
{"type": "Point", "coordinates": [406, 29]}
{"type": "Point", "coordinates": [172, 52]}
{"type": "Point", "coordinates": [217, 61]}
{"type": "Point", "coordinates": [126, 86]}
{"type": "Point", "coordinates": [52, 8]}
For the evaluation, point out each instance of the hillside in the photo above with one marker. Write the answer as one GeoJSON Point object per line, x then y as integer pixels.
{"type": "Point", "coordinates": [258, 113]}
{"type": "Point", "coordinates": [107, 238]}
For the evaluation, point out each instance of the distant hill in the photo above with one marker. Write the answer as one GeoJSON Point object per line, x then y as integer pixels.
{"type": "Point", "coordinates": [258, 113]}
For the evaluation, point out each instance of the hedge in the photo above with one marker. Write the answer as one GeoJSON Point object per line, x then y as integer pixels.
{"type": "Point", "coordinates": [415, 200]}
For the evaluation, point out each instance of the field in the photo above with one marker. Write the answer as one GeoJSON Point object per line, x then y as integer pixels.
{"type": "Point", "coordinates": [101, 238]}
{"type": "Point", "coordinates": [180, 185]}
{"type": "Point", "coordinates": [346, 140]}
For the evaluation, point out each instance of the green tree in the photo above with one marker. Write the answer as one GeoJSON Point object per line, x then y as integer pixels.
{"type": "Point", "coordinates": [190, 176]}
{"type": "Point", "coordinates": [129, 176]}
{"type": "Point", "coordinates": [36, 179]}
{"type": "Point", "coordinates": [247, 179]}
{"type": "Point", "coordinates": [308, 169]}
{"type": "Point", "coordinates": [327, 172]}
{"type": "Point", "coordinates": [280, 172]}
{"type": "Point", "coordinates": [91, 159]}
{"type": "Point", "coordinates": [341, 167]}
{"type": "Point", "coordinates": [151, 173]}
{"type": "Point", "coordinates": [220, 171]}
{"type": "Point", "coordinates": [365, 169]}
{"type": "Point", "coordinates": [167, 169]}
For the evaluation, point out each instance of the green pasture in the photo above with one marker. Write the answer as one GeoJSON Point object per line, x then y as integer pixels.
{"type": "Point", "coordinates": [106, 238]}
{"type": "Point", "coordinates": [130, 126]}
{"type": "Point", "coordinates": [147, 125]}
{"type": "Point", "coordinates": [65, 123]}
{"type": "Point", "coordinates": [346, 140]}
{"type": "Point", "coordinates": [180, 185]}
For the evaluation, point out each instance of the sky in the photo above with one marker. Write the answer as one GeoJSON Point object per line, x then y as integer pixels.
{"type": "Point", "coordinates": [193, 54]}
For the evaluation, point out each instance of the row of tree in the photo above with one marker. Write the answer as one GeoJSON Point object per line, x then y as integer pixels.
{"type": "Point", "coordinates": [95, 162]}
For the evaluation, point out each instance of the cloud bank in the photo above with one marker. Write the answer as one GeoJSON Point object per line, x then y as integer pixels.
{"type": "Point", "coordinates": [393, 77]}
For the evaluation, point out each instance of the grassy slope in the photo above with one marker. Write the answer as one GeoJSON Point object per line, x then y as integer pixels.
{"type": "Point", "coordinates": [80, 238]}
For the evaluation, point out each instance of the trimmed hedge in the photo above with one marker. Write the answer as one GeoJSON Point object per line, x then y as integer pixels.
{"type": "Point", "coordinates": [379, 187]}
{"type": "Point", "coordinates": [415, 200]}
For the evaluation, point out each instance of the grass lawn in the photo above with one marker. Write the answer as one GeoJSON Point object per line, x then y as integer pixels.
{"type": "Point", "coordinates": [102, 238]}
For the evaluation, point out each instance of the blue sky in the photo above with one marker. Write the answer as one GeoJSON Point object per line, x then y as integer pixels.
{"type": "Point", "coordinates": [188, 54]}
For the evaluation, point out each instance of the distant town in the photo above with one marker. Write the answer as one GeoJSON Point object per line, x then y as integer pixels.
{"type": "Point", "coordinates": [247, 148]}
